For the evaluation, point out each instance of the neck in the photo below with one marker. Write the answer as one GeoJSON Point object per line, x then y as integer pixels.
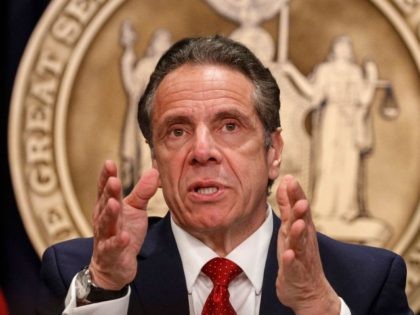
{"type": "Point", "coordinates": [224, 240]}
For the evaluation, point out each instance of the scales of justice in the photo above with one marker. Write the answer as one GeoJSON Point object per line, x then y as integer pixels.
{"type": "Point", "coordinates": [334, 101]}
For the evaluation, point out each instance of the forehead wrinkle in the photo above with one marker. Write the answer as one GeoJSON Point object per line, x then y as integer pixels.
{"type": "Point", "coordinates": [210, 78]}
{"type": "Point", "coordinates": [209, 87]}
{"type": "Point", "coordinates": [198, 91]}
{"type": "Point", "coordinates": [189, 102]}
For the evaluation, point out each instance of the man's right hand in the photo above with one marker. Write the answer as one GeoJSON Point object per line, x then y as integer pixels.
{"type": "Point", "coordinates": [119, 227]}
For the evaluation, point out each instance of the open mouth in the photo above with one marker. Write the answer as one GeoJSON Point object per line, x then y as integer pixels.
{"type": "Point", "coordinates": [206, 190]}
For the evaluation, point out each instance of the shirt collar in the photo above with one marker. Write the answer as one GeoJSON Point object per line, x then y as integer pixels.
{"type": "Point", "coordinates": [250, 255]}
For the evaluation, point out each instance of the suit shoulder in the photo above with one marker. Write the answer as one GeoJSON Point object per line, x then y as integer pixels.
{"type": "Point", "coordinates": [63, 260]}
{"type": "Point", "coordinates": [365, 277]}
{"type": "Point", "coordinates": [79, 249]}
{"type": "Point", "coordinates": [353, 252]}
{"type": "Point", "coordinates": [153, 220]}
{"type": "Point", "coordinates": [72, 255]}
{"type": "Point", "coordinates": [358, 266]}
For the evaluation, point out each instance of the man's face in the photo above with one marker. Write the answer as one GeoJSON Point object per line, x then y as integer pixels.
{"type": "Point", "coordinates": [209, 150]}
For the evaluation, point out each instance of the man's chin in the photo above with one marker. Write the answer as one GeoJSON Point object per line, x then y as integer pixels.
{"type": "Point", "coordinates": [206, 224]}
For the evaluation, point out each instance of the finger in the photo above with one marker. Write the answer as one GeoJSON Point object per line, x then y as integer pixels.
{"type": "Point", "coordinates": [297, 237]}
{"type": "Point", "coordinates": [295, 191]}
{"type": "Point", "coordinates": [108, 169]}
{"type": "Point", "coordinates": [302, 238]}
{"type": "Point", "coordinates": [292, 209]}
{"type": "Point", "coordinates": [285, 213]}
{"type": "Point", "coordinates": [291, 268]}
{"type": "Point", "coordinates": [301, 210]}
{"type": "Point", "coordinates": [144, 190]}
{"type": "Point", "coordinates": [287, 260]}
{"type": "Point", "coordinates": [282, 197]}
{"type": "Point", "coordinates": [299, 203]}
{"type": "Point", "coordinates": [107, 223]}
{"type": "Point", "coordinates": [112, 189]}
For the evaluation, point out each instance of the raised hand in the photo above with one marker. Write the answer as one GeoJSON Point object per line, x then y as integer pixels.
{"type": "Point", "coordinates": [119, 227]}
{"type": "Point", "coordinates": [301, 283]}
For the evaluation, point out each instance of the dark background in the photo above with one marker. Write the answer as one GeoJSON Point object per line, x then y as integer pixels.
{"type": "Point", "coordinates": [19, 272]}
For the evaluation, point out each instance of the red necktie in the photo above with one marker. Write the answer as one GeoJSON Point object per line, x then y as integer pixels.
{"type": "Point", "coordinates": [221, 271]}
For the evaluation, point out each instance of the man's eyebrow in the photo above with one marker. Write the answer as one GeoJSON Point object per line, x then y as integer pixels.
{"type": "Point", "coordinates": [176, 119]}
{"type": "Point", "coordinates": [231, 113]}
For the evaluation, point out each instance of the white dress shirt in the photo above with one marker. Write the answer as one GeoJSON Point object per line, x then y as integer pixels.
{"type": "Point", "coordinates": [245, 290]}
{"type": "Point", "coordinates": [250, 255]}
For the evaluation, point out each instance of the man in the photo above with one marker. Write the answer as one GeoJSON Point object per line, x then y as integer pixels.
{"type": "Point", "coordinates": [210, 114]}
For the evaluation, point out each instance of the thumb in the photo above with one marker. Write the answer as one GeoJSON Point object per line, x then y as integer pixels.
{"type": "Point", "coordinates": [144, 190]}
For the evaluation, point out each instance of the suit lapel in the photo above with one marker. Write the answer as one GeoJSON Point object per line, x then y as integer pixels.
{"type": "Point", "coordinates": [270, 304]}
{"type": "Point", "coordinates": [160, 284]}
{"type": "Point", "coordinates": [165, 291]}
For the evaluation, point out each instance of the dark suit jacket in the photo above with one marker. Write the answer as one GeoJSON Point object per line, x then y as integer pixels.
{"type": "Point", "coordinates": [370, 280]}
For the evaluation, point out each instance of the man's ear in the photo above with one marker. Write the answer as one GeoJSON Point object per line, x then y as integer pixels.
{"type": "Point", "coordinates": [274, 154]}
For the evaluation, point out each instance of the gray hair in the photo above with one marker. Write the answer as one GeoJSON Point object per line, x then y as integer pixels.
{"type": "Point", "coordinates": [216, 50]}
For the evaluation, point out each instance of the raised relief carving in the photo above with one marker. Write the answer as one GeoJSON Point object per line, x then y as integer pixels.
{"type": "Point", "coordinates": [134, 151]}
{"type": "Point", "coordinates": [295, 158]}
{"type": "Point", "coordinates": [86, 66]}
{"type": "Point", "coordinates": [341, 93]}
{"type": "Point", "coordinates": [249, 14]}
{"type": "Point", "coordinates": [338, 95]}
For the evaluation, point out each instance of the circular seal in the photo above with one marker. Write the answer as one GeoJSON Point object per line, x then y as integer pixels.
{"type": "Point", "coordinates": [88, 62]}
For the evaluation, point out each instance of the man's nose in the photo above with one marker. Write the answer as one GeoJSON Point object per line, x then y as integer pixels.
{"type": "Point", "coordinates": [204, 147]}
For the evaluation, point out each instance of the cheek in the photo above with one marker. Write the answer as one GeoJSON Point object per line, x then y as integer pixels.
{"type": "Point", "coordinates": [170, 169]}
{"type": "Point", "coordinates": [170, 189]}
{"type": "Point", "coordinates": [251, 167]}
{"type": "Point", "coordinates": [168, 177]}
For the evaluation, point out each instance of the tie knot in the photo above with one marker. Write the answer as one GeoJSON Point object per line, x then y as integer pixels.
{"type": "Point", "coordinates": [221, 271]}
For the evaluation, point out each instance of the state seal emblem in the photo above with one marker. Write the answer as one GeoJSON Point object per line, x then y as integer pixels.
{"type": "Point", "coordinates": [349, 72]}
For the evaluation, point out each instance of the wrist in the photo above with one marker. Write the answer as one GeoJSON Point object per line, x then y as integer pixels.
{"type": "Point", "coordinates": [329, 304]}
{"type": "Point", "coordinates": [105, 280]}
{"type": "Point", "coordinates": [87, 291]}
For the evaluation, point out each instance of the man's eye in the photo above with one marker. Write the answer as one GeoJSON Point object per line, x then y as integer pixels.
{"type": "Point", "coordinates": [230, 127]}
{"type": "Point", "coordinates": [177, 132]}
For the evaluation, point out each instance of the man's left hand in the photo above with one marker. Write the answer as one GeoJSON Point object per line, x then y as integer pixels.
{"type": "Point", "coordinates": [301, 283]}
